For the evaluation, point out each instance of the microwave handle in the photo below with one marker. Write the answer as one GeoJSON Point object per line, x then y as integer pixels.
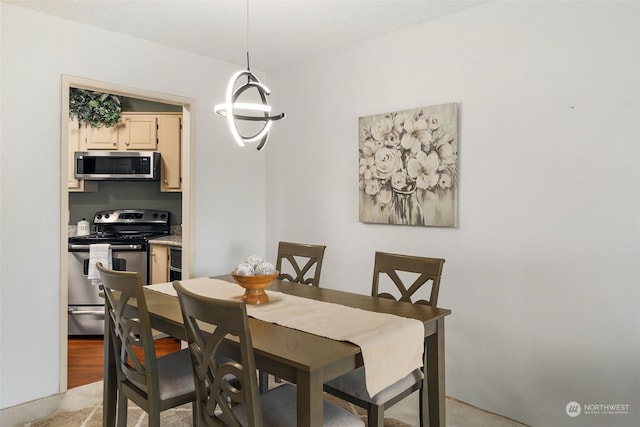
{"type": "Point", "coordinates": [113, 247]}
{"type": "Point", "coordinates": [75, 312]}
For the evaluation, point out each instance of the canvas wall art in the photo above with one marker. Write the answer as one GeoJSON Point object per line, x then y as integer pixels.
{"type": "Point", "coordinates": [409, 167]}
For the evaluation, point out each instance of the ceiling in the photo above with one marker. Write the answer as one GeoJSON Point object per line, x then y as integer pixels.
{"type": "Point", "coordinates": [279, 32]}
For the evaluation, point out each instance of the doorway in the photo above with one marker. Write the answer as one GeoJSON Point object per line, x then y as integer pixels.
{"type": "Point", "coordinates": [187, 204]}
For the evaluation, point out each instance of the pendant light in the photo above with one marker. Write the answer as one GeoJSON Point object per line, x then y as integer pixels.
{"type": "Point", "coordinates": [234, 111]}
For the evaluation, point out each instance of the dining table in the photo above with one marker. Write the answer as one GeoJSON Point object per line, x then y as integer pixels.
{"type": "Point", "coordinates": [302, 358]}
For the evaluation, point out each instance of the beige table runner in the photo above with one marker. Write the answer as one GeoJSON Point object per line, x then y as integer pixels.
{"type": "Point", "coordinates": [391, 346]}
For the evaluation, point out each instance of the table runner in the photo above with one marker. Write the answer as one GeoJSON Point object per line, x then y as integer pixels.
{"type": "Point", "coordinates": [391, 346]}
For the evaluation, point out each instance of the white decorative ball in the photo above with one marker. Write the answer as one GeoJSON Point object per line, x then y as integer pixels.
{"type": "Point", "coordinates": [254, 260]}
{"type": "Point", "coordinates": [244, 269]}
{"type": "Point", "coordinates": [264, 268]}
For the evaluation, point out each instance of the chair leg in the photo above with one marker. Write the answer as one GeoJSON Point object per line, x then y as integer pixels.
{"type": "Point", "coordinates": [194, 408]}
{"type": "Point", "coordinates": [122, 410]}
{"type": "Point", "coordinates": [375, 416]}
{"type": "Point", "coordinates": [263, 382]}
{"type": "Point", "coordinates": [154, 418]}
{"type": "Point", "coordinates": [421, 403]}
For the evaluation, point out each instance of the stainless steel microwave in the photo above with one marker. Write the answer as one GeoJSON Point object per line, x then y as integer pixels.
{"type": "Point", "coordinates": [117, 165]}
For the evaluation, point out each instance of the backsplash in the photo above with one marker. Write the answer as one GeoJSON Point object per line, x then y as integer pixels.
{"type": "Point", "coordinates": [124, 195]}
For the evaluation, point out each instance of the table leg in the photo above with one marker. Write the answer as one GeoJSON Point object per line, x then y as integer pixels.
{"type": "Point", "coordinates": [263, 381]}
{"type": "Point", "coordinates": [435, 378]}
{"type": "Point", "coordinates": [309, 399]}
{"type": "Point", "coordinates": [110, 387]}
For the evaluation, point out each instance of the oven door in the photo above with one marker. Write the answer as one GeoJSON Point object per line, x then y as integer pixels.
{"type": "Point", "coordinates": [86, 306]}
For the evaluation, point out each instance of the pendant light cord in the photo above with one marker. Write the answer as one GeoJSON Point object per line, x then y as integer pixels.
{"type": "Point", "coordinates": [234, 111]}
{"type": "Point", "coordinates": [248, 67]}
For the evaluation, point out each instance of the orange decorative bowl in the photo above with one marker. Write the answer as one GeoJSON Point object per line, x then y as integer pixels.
{"type": "Point", "coordinates": [254, 287]}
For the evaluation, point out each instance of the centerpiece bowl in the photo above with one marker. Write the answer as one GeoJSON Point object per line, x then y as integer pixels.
{"type": "Point", "coordinates": [254, 287]}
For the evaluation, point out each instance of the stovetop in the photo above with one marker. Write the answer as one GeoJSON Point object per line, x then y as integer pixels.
{"type": "Point", "coordinates": [126, 226]}
{"type": "Point", "coordinates": [114, 237]}
{"type": "Point", "coordinates": [131, 216]}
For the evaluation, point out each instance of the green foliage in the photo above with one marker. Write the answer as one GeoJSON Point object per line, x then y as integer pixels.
{"type": "Point", "coordinates": [97, 109]}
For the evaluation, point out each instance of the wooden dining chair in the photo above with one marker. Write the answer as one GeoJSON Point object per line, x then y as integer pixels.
{"type": "Point", "coordinates": [225, 372]}
{"type": "Point", "coordinates": [399, 269]}
{"type": "Point", "coordinates": [154, 384]}
{"type": "Point", "coordinates": [289, 262]}
{"type": "Point", "coordinates": [295, 254]}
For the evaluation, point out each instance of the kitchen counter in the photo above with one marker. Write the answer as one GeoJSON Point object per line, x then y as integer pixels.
{"type": "Point", "coordinates": [170, 240]}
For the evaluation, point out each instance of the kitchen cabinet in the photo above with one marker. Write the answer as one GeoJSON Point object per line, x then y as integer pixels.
{"type": "Point", "coordinates": [165, 259]}
{"type": "Point", "coordinates": [138, 132]}
{"type": "Point", "coordinates": [73, 184]}
{"type": "Point", "coordinates": [102, 138]}
{"type": "Point", "coordinates": [160, 132]}
{"type": "Point", "coordinates": [170, 147]}
{"type": "Point", "coordinates": [158, 263]}
{"type": "Point", "coordinates": [134, 132]}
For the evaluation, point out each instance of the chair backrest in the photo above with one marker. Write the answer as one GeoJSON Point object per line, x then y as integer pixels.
{"type": "Point", "coordinates": [134, 350]}
{"type": "Point", "coordinates": [296, 254]}
{"type": "Point", "coordinates": [222, 380]}
{"type": "Point", "coordinates": [427, 269]}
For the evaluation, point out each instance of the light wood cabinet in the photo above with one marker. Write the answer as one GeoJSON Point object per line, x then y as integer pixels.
{"type": "Point", "coordinates": [158, 264]}
{"type": "Point", "coordinates": [135, 132]}
{"type": "Point", "coordinates": [170, 147]}
{"type": "Point", "coordinates": [102, 138]}
{"type": "Point", "coordinates": [138, 132]}
{"type": "Point", "coordinates": [165, 263]}
{"type": "Point", "coordinates": [73, 184]}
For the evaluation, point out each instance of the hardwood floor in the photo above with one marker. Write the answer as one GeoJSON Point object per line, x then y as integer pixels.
{"type": "Point", "coordinates": [85, 356]}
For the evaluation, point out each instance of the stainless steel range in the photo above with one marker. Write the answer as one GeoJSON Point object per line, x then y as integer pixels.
{"type": "Point", "coordinates": [127, 231]}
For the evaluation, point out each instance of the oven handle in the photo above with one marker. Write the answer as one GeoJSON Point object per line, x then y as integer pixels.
{"type": "Point", "coordinates": [74, 311]}
{"type": "Point", "coordinates": [113, 247]}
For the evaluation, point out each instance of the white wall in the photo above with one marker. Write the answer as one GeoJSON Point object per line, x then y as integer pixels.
{"type": "Point", "coordinates": [36, 50]}
{"type": "Point", "coordinates": [541, 274]}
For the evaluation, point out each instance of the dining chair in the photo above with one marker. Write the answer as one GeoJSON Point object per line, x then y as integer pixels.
{"type": "Point", "coordinates": [225, 370]}
{"type": "Point", "coordinates": [293, 269]}
{"type": "Point", "coordinates": [400, 269]}
{"type": "Point", "coordinates": [153, 383]}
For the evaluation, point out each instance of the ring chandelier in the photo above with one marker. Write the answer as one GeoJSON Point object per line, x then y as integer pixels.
{"type": "Point", "coordinates": [234, 111]}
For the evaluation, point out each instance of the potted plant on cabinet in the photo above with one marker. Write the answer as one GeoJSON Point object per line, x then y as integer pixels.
{"type": "Point", "coordinates": [95, 108]}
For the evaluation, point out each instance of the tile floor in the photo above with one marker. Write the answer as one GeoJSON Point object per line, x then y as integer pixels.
{"type": "Point", "coordinates": [81, 406]}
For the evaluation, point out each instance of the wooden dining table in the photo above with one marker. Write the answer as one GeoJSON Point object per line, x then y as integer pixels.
{"type": "Point", "coordinates": [304, 359]}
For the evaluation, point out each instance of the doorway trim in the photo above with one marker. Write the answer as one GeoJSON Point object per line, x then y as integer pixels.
{"type": "Point", "coordinates": [188, 188]}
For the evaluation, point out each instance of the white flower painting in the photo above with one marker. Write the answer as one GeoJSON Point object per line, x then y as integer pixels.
{"type": "Point", "coordinates": [409, 167]}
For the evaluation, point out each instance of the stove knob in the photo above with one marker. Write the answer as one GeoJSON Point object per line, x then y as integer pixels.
{"type": "Point", "coordinates": [99, 216]}
{"type": "Point", "coordinates": [155, 216]}
{"type": "Point", "coordinates": [163, 216]}
{"type": "Point", "coordinates": [106, 216]}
